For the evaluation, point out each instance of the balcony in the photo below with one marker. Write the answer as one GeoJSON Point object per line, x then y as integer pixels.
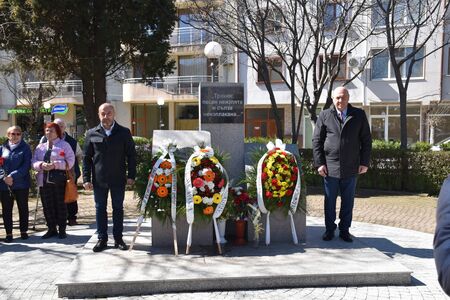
{"type": "Point", "coordinates": [189, 36]}
{"type": "Point", "coordinates": [178, 88]}
{"type": "Point", "coordinates": [68, 88]}
{"type": "Point", "coordinates": [69, 91]}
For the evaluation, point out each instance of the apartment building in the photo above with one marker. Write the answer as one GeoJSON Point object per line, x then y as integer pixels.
{"type": "Point", "coordinates": [172, 102]}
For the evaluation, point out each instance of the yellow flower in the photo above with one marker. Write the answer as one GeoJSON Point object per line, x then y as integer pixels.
{"type": "Point", "coordinates": [270, 173]}
{"type": "Point", "coordinates": [196, 160]}
{"type": "Point", "coordinates": [217, 198]}
{"type": "Point", "coordinates": [214, 160]}
{"type": "Point", "coordinates": [197, 199]}
{"type": "Point", "coordinates": [282, 193]}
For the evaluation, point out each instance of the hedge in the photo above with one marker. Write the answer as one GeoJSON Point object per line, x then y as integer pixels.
{"type": "Point", "coordinates": [424, 172]}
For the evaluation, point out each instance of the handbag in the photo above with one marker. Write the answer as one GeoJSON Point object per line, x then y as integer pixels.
{"type": "Point", "coordinates": [71, 192]}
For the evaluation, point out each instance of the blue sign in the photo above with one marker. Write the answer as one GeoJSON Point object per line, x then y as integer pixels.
{"type": "Point", "coordinates": [61, 109]}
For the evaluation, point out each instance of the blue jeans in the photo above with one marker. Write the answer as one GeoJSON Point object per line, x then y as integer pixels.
{"type": "Point", "coordinates": [346, 187]}
{"type": "Point", "coordinates": [101, 201]}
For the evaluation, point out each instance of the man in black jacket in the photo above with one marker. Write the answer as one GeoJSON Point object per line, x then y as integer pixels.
{"type": "Point", "coordinates": [108, 151]}
{"type": "Point", "coordinates": [341, 146]}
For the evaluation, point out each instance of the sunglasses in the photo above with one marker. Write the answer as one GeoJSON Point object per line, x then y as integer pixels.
{"type": "Point", "coordinates": [15, 133]}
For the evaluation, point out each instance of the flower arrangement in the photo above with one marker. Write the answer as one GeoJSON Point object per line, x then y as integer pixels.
{"type": "Point", "coordinates": [238, 208]}
{"type": "Point", "coordinates": [279, 176]}
{"type": "Point", "coordinates": [208, 181]}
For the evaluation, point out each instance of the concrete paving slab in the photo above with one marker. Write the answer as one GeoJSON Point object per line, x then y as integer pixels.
{"type": "Point", "coordinates": [149, 270]}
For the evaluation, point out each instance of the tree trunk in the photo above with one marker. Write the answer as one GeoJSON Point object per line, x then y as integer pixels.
{"type": "Point", "coordinates": [90, 109]}
{"type": "Point", "coordinates": [403, 124]}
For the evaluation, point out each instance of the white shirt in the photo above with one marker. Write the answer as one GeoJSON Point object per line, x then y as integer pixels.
{"type": "Point", "coordinates": [108, 131]}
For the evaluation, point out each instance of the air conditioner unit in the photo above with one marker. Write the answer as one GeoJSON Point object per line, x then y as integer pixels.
{"type": "Point", "coordinates": [356, 62]}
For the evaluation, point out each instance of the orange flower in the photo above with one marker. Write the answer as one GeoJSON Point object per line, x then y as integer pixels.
{"type": "Point", "coordinates": [162, 191]}
{"type": "Point", "coordinates": [209, 175]}
{"type": "Point", "coordinates": [162, 179]}
{"type": "Point", "coordinates": [208, 210]}
{"type": "Point", "coordinates": [165, 165]}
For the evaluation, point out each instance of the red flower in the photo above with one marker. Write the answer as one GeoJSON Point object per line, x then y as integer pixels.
{"type": "Point", "coordinates": [295, 169]}
{"type": "Point", "coordinates": [263, 165]}
{"type": "Point", "coordinates": [294, 177]}
{"type": "Point", "coordinates": [268, 194]}
{"type": "Point", "coordinates": [279, 204]}
{"type": "Point", "coordinates": [198, 182]}
{"type": "Point", "coordinates": [221, 183]}
{"type": "Point", "coordinates": [274, 182]}
{"type": "Point", "coordinates": [2, 160]}
{"type": "Point", "coordinates": [288, 192]}
{"type": "Point", "coordinates": [61, 153]}
{"type": "Point", "coordinates": [263, 176]}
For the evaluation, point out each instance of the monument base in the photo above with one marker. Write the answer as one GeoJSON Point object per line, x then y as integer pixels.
{"type": "Point", "coordinates": [162, 234]}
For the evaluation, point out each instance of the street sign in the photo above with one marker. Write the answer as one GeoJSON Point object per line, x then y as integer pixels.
{"type": "Point", "coordinates": [61, 109]}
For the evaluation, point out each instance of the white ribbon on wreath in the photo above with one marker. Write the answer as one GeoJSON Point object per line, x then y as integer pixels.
{"type": "Point", "coordinates": [295, 196]}
{"type": "Point", "coordinates": [208, 152]}
{"type": "Point", "coordinates": [168, 148]}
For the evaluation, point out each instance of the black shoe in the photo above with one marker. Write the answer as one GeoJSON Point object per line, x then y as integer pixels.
{"type": "Point", "coordinates": [328, 235]}
{"type": "Point", "coordinates": [24, 235]}
{"type": "Point", "coordinates": [8, 239]}
{"type": "Point", "coordinates": [100, 246]}
{"type": "Point", "coordinates": [72, 222]}
{"type": "Point", "coordinates": [120, 244]}
{"type": "Point", "coordinates": [49, 234]}
{"type": "Point", "coordinates": [62, 234]}
{"type": "Point", "coordinates": [345, 236]}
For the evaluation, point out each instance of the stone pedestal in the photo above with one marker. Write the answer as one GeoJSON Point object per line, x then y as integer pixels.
{"type": "Point", "coordinates": [280, 227]}
{"type": "Point", "coordinates": [162, 236]}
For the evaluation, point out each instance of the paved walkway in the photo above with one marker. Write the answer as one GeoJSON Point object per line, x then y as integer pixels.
{"type": "Point", "coordinates": [29, 269]}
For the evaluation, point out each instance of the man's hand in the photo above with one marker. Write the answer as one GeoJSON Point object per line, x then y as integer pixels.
{"type": "Point", "coordinates": [323, 171]}
{"type": "Point", "coordinates": [362, 169]}
{"type": "Point", "coordinates": [130, 181]}
{"type": "Point", "coordinates": [8, 180]}
{"type": "Point", "coordinates": [87, 186]}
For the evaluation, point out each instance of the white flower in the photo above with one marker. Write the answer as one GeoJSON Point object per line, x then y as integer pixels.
{"type": "Point", "coordinates": [210, 185]}
{"type": "Point", "coordinates": [167, 172]}
{"type": "Point", "coordinates": [208, 200]}
{"type": "Point", "coordinates": [168, 185]}
{"type": "Point", "coordinates": [202, 188]}
{"type": "Point", "coordinates": [156, 184]}
{"type": "Point", "coordinates": [194, 191]}
{"type": "Point", "coordinates": [200, 173]}
{"type": "Point", "coordinates": [159, 171]}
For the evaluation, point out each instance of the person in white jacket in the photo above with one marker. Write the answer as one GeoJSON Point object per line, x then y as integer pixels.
{"type": "Point", "coordinates": [442, 237]}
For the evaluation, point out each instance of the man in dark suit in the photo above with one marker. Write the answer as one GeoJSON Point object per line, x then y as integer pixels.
{"type": "Point", "coordinates": [108, 152]}
{"type": "Point", "coordinates": [342, 143]}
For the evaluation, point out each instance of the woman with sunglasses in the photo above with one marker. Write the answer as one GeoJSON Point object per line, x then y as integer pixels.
{"type": "Point", "coordinates": [50, 160]}
{"type": "Point", "coordinates": [15, 164]}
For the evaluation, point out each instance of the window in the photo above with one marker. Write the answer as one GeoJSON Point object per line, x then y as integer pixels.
{"type": "Point", "coordinates": [274, 63]}
{"type": "Point", "coordinates": [404, 11]}
{"type": "Point", "coordinates": [342, 74]}
{"type": "Point", "coordinates": [334, 13]}
{"type": "Point", "coordinates": [382, 68]}
{"type": "Point", "coordinates": [261, 122]}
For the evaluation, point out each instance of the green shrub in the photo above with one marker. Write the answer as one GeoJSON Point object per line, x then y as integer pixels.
{"type": "Point", "coordinates": [445, 147]}
{"type": "Point", "coordinates": [421, 146]}
{"type": "Point", "coordinates": [264, 140]}
{"type": "Point", "coordinates": [382, 144]}
{"type": "Point", "coordinates": [3, 139]}
{"type": "Point", "coordinates": [425, 172]}
{"type": "Point", "coordinates": [80, 140]}
{"type": "Point", "coordinates": [139, 140]}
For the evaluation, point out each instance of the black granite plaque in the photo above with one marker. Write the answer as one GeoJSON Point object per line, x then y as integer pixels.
{"type": "Point", "coordinates": [221, 103]}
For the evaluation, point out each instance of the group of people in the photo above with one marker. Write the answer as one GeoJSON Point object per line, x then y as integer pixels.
{"type": "Point", "coordinates": [109, 164]}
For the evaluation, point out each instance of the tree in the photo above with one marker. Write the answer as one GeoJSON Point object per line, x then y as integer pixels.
{"type": "Point", "coordinates": [415, 23]}
{"type": "Point", "coordinates": [90, 39]}
{"type": "Point", "coordinates": [32, 88]}
{"type": "Point", "coordinates": [301, 33]}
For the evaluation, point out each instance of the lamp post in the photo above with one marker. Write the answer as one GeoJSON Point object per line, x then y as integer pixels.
{"type": "Point", "coordinates": [213, 50]}
{"type": "Point", "coordinates": [160, 102]}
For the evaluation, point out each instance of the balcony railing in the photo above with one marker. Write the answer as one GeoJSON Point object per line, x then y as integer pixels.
{"type": "Point", "coordinates": [187, 36]}
{"type": "Point", "coordinates": [177, 85]}
{"type": "Point", "coordinates": [62, 89]}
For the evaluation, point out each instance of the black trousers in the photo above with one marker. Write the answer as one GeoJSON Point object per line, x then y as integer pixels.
{"type": "Point", "coordinates": [21, 197]}
{"type": "Point", "coordinates": [55, 210]}
{"type": "Point", "coordinates": [72, 210]}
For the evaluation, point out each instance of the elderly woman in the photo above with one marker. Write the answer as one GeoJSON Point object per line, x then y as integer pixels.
{"type": "Point", "coordinates": [50, 159]}
{"type": "Point", "coordinates": [15, 164]}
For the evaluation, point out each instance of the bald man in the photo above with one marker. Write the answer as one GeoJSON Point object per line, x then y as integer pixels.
{"type": "Point", "coordinates": [342, 143]}
{"type": "Point", "coordinates": [109, 164]}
